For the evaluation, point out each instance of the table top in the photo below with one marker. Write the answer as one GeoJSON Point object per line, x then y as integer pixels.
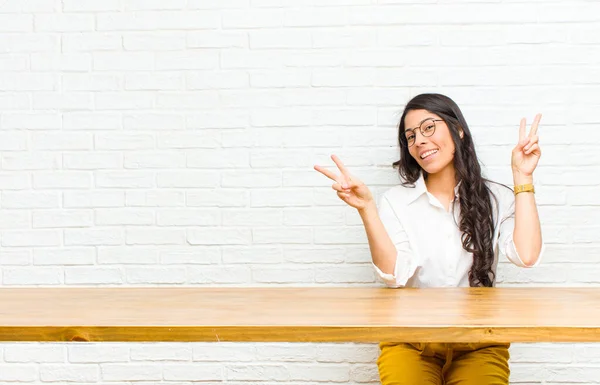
{"type": "Point", "coordinates": [300, 314]}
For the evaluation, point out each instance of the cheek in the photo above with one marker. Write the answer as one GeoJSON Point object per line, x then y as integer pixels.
{"type": "Point", "coordinates": [413, 152]}
{"type": "Point", "coordinates": [444, 141]}
{"type": "Point", "coordinates": [450, 145]}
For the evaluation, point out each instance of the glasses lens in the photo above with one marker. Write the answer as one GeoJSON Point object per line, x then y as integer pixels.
{"type": "Point", "coordinates": [410, 137]}
{"type": "Point", "coordinates": [428, 127]}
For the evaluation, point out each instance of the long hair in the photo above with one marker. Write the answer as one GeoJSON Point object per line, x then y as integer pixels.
{"type": "Point", "coordinates": [476, 213]}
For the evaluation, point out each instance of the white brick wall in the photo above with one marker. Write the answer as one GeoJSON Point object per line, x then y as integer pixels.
{"type": "Point", "coordinates": [148, 142]}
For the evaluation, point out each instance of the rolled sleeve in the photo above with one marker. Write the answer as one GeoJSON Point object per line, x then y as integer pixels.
{"type": "Point", "coordinates": [506, 241]}
{"type": "Point", "coordinates": [406, 262]}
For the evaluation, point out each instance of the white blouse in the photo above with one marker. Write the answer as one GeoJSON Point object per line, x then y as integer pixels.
{"type": "Point", "coordinates": [428, 240]}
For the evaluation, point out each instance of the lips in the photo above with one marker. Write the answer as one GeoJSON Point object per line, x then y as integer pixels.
{"type": "Point", "coordinates": [425, 154]}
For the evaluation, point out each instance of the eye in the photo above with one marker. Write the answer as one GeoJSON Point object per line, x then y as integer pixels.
{"type": "Point", "coordinates": [429, 127]}
{"type": "Point", "coordinates": [410, 136]}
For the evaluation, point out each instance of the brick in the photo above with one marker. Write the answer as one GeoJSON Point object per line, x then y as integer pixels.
{"type": "Point", "coordinates": [65, 256]}
{"type": "Point", "coordinates": [18, 373]}
{"type": "Point", "coordinates": [98, 353]}
{"type": "Point", "coordinates": [152, 20]}
{"type": "Point", "coordinates": [32, 276]}
{"type": "Point", "coordinates": [175, 179]}
{"type": "Point", "coordinates": [219, 275]}
{"type": "Point", "coordinates": [15, 257]}
{"type": "Point", "coordinates": [31, 238]}
{"type": "Point", "coordinates": [196, 256]}
{"type": "Point", "coordinates": [71, 373]}
{"type": "Point", "coordinates": [34, 353]}
{"type": "Point", "coordinates": [93, 237]}
{"type": "Point", "coordinates": [15, 219]}
{"type": "Point", "coordinates": [158, 198]}
{"type": "Point", "coordinates": [70, 62]}
{"type": "Point", "coordinates": [254, 254]}
{"type": "Point", "coordinates": [90, 6]}
{"type": "Point", "coordinates": [60, 141]}
{"type": "Point", "coordinates": [93, 276]}
{"type": "Point", "coordinates": [31, 121]}
{"type": "Point", "coordinates": [30, 200]}
{"type": "Point", "coordinates": [219, 236]}
{"type": "Point", "coordinates": [283, 275]}
{"type": "Point", "coordinates": [123, 216]}
{"type": "Point", "coordinates": [154, 236]}
{"type": "Point", "coordinates": [92, 161]}
{"type": "Point", "coordinates": [154, 81]}
{"type": "Point", "coordinates": [154, 160]}
{"type": "Point", "coordinates": [16, 23]}
{"type": "Point", "coordinates": [256, 372]}
{"type": "Point", "coordinates": [162, 352]}
{"type": "Point", "coordinates": [188, 217]}
{"type": "Point", "coordinates": [92, 121]}
{"type": "Point", "coordinates": [63, 22]}
{"type": "Point", "coordinates": [192, 372]}
{"type": "Point", "coordinates": [222, 159]}
{"type": "Point", "coordinates": [155, 275]}
{"type": "Point", "coordinates": [322, 372]}
{"type": "Point", "coordinates": [91, 41]}
{"type": "Point", "coordinates": [123, 141]}
{"type": "Point", "coordinates": [133, 100]}
{"type": "Point", "coordinates": [93, 199]}
{"type": "Point", "coordinates": [124, 179]}
{"type": "Point", "coordinates": [62, 218]}
{"type": "Point", "coordinates": [62, 180]}
{"type": "Point", "coordinates": [130, 372]}
{"type": "Point", "coordinates": [123, 255]}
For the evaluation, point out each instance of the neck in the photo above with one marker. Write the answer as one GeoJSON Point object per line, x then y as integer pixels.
{"type": "Point", "coordinates": [442, 182]}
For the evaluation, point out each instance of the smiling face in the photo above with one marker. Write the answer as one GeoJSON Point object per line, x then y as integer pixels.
{"type": "Point", "coordinates": [433, 153]}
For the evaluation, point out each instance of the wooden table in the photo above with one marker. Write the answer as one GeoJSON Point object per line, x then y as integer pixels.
{"type": "Point", "coordinates": [301, 314]}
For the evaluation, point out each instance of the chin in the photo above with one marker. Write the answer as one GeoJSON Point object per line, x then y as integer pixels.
{"type": "Point", "coordinates": [432, 168]}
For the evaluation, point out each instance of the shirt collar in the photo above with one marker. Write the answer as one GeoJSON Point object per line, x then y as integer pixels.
{"type": "Point", "coordinates": [421, 188]}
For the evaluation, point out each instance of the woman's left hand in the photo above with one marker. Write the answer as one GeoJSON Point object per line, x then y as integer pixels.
{"type": "Point", "coordinates": [526, 154]}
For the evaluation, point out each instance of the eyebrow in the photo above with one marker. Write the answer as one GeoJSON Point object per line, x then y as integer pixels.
{"type": "Point", "coordinates": [421, 122]}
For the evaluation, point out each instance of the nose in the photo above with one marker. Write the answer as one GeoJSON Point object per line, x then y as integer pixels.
{"type": "Point", "coordinates": [417, 134]}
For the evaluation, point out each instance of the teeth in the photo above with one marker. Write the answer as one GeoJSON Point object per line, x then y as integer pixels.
{"type": "Point", "coordinates": [425, 155]}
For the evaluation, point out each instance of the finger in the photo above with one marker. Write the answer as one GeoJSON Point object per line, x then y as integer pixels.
{"type": "Point", "coordinates": [350, 183]}
{"type": "Point", "coordinates": [343, 195]}
{"type": "Point", "coordinates": [329, 174]}
{"type": "Point", "coordinates": [522, 144]}
{"type": "Point", "coordinates": [338, 187]}
{"type": "Point", "coordinates": [522, 129]}
{"type": "Point", "coordinates": [533, 149]}
{"type": "Point", "coordinates": [534, 125]}
{"type": "Point", "coordinates": [532, 140]}
{"type": "Point", "coordinates": [340, 165]}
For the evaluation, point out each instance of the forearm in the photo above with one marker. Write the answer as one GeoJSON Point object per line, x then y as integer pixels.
{"type": "Point", "coordinates": [383, 251]}
{"type": "Point", "coordinates": [527, 234]}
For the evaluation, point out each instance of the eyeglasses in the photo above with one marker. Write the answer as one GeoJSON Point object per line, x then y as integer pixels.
{"type": "Point", "coordinates": [427, 128]}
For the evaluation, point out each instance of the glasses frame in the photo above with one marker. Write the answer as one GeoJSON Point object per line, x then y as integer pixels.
{"type": "Point", "coordinates": [421, 130]}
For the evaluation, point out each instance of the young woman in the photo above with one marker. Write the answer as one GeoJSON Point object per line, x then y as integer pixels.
{"type": "Point", "coordinates": [445, 225]}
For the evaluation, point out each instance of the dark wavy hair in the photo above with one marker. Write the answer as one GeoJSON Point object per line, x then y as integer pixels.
{"type": "Point", "coordinates": [475, 197]}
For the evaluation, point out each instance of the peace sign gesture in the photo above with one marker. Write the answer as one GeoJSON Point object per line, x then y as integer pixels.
{"type": "Point", "coordinates": [526, 154]}
{"type": "Point", "coordinates": [349, 188]}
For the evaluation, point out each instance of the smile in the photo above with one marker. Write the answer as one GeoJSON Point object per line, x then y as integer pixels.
{"type": "Point", "coordinates": [428, 153]}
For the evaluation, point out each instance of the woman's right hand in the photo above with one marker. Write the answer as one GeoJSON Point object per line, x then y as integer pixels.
{"type": "Point", "coordinates": [349, 188]}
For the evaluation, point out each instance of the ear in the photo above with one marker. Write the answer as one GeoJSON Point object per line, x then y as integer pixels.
{"type": "Point", "coordinates": [461, 133]}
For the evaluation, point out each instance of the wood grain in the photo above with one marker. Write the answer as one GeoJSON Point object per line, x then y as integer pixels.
{"type": "Point", "coordinates": [301, 314]}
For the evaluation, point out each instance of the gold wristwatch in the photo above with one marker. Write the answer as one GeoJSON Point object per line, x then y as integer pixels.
{"type": "Point", "coordinates": [524, 188]}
